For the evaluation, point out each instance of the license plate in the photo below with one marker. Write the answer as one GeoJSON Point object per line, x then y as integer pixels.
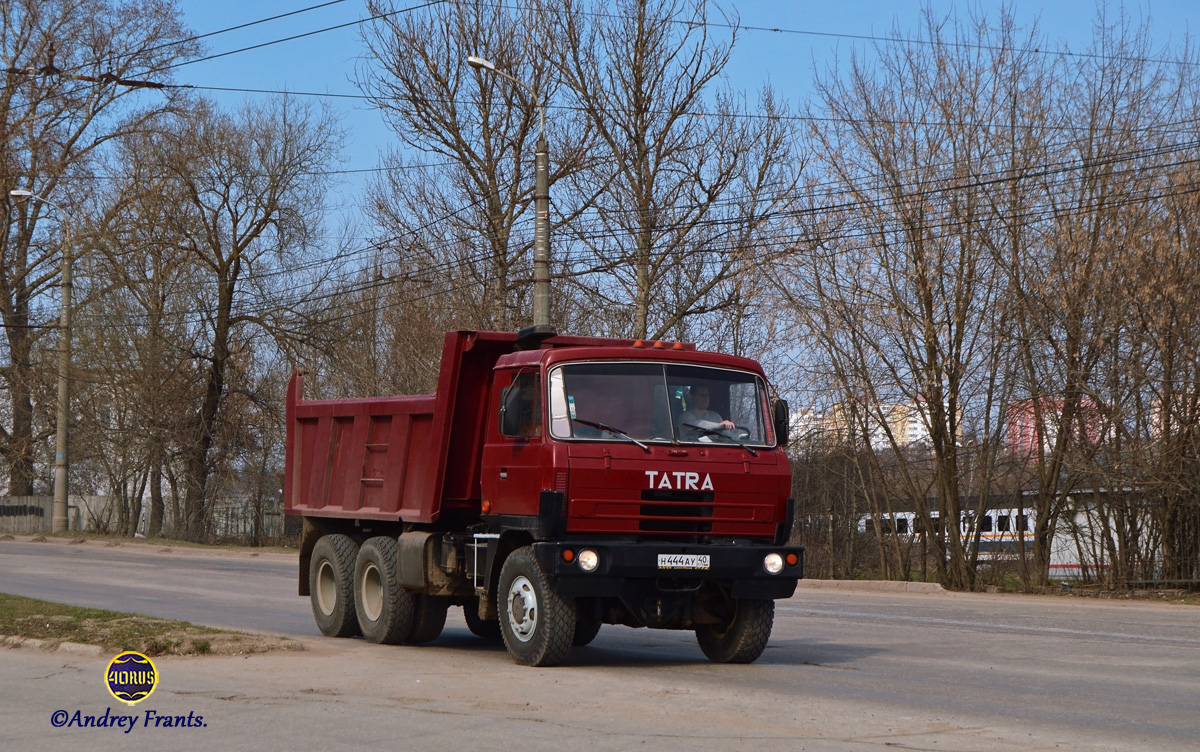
{"type": "Point", "coordinates": [683, 561]}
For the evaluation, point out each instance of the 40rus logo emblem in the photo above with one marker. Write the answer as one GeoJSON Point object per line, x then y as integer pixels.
{"type": "Point", "coordinates": [131, 677]}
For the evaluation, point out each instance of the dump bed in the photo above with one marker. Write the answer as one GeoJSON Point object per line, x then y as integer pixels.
{"type": "Point", "coordinates": [414, 458]}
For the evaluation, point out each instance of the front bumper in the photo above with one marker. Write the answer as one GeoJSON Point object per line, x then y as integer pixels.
{"type": "Point", "coordinates": [740, 568]}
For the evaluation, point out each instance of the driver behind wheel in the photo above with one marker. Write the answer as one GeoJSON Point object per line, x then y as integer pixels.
{"type": "Point", "coordinates": [698, 416]}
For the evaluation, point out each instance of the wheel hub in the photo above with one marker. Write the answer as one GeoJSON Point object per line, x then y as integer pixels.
{"type": "Point", "coordinates": [326, 587]}
{"type": "Point", "coordinates": [372, 592]}
{"type": "Point", "coordinates": [522, 608]}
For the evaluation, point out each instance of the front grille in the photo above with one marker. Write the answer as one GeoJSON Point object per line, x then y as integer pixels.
{"type": "Point", "coordinates": [676, 512]}
{"type": "Point", "coordinates": [704, 497]}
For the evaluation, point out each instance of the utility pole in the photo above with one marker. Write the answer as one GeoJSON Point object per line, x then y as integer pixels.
{"type": "Point", "coordinates": [58, 518]}
{"type": "Point", "coordinates": [541, 233]}
{"type": "Point", "coordinates": [541, 201]}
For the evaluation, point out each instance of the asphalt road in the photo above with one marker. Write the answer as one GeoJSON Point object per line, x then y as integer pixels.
{"type": "Point", "coordinates": [238, 591]}
{"type": "Point", "coordinates": [845, 670]}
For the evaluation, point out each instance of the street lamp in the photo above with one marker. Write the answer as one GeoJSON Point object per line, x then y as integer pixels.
{"type": "Point", "coordinates": [58, 519]}
{"type": "Point", "coordinates": [541, 200]}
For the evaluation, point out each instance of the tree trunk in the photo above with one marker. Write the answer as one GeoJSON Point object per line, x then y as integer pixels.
{"type": "Point", "coordinates": [21, 444]}
{"type": "Point", "coordinates": [196, 462]}
{"type": "Point", "coordinates": [154, 528]}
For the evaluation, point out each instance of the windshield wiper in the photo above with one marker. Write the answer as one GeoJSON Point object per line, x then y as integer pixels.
{"type": "Point", "coordinates": [610, 429]}
{"type": "Point", "coordinates": [711, 432]}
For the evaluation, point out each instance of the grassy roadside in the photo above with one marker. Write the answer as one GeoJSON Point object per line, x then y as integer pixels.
{"type": "Point", "coordinates": [117, 632]}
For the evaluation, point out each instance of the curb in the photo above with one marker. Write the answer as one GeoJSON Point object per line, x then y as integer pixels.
{"type": "Point", "coordinates": [49, 646]}
{"type": "Point", "coordinates": [878, 586]}
{"type": "Point", "coordinates": [77, 648]}
{"type": "Point", "coordinates": [134, 545]}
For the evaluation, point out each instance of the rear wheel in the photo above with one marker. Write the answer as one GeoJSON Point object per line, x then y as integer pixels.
{"type": "Point", "coordinates": [385, 610]}
{"type": "Point", "coordinates": [331, 585]}
{"type": "Point", "coordinates": [744, 638]}
{"type": "Point", "coordinates": [537, 624]}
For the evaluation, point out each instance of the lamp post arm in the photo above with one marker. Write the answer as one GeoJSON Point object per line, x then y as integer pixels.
{"type": "Point", "coordinates": [533, 95]}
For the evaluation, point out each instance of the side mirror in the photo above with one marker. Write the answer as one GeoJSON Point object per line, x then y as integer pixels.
{"type": "Point", "coordinates": [510, 411]}
{"type": "Point", "coordinates": [782, 421]}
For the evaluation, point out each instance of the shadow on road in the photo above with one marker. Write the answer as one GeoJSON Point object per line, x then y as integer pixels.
{"type": "Point", "coordinates": [619, 647]}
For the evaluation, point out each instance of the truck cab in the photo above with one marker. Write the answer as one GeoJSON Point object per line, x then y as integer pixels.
{"type": "Point", "coordinates": [614, 436]}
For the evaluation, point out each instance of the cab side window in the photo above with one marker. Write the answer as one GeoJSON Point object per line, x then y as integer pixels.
{"type": "Point", "coordinates": [519, 413]}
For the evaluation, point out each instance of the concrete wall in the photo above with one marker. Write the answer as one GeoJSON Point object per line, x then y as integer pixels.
{"type": "Point", "coordinates": [25, 514]}
{"type": "Point", "coordinates": [30, 515]}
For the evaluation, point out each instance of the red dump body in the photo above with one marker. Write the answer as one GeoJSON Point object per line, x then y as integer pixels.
{"type": "Point", "coordinates": [428, 457]}
{"type": "Point", "coordinates": [386, 457]}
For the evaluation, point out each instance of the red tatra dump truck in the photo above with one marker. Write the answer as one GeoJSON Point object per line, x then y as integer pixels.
{"type": "Point", "coordinates": [551, 485]}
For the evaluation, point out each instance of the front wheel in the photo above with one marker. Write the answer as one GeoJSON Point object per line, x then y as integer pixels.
{"type": "Point", "coordinates": [744, 638]}
{"type": "Point", "coordinates": [537, 624]}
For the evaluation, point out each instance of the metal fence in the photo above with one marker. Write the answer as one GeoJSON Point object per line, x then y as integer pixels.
{"type": "Point", "coordinates": [234, 522]}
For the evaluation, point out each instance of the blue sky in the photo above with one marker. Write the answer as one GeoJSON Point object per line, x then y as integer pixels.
{"type": "Point", "coordinates": [812, 34]}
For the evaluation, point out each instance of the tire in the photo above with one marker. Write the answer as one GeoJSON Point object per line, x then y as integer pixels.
{"type": "Point", "coordinates": [385, 611]}
{"type": "Point", "coordinates": [331, 585]}
{"type": "Point", "coordinates": [429, 618]}
{"type": "Point", "coordinates": [488, 629]}
{"type": "Point", "coordinates": [744, 639]}
{"type": "Point", "coordinates": [586, 629]}
{"type": "Point", "coordinates": [537, 625]}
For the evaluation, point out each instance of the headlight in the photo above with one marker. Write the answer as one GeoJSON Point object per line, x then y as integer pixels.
{"type": "Point", "coordinates": [589, 560]}
{"type": "Point", "coordinates": [773, 563]}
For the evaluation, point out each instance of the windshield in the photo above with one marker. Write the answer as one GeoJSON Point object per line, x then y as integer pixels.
{"type": "Point", "coordinates": [651, 402]}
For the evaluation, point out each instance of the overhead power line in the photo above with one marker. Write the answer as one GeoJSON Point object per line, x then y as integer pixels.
{"type": "Point", "coordinates": [398, 289]}
{"type": "Point", "coordinates": [246, 25]}
{"type": "Point", "coordinates": [879, 199]}
{"type": "Point", "coordinates": [303, 35]}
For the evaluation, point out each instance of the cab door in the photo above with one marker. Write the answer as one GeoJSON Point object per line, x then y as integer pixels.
{"type": "Point", "coordinates": [511, 477]}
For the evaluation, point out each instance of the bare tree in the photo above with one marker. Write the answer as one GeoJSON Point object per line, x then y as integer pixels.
{"type": "Point", "coordinates": [1164, 295]}
{"type": "Point", "coordinates": [1150, 382]}
{"type": "Point", "coordinates": [1001, 237]}
{"type": "Point", "coordinates": [385, 336]}
{"type": "Point", "coordinates": [239, 201]}
{"type": "Point", "coordinates": [1068, 289]}
{"type": "Point", "coordinates": [136, 335]}
{"type": "Point", "coordinates": [895, 280]}
{"type": "Point", "coordinates": [460, 213]}
{"type": "Point", "coordinates": [687, 179]}
{"type": "Point", "coordinates": [69, 66]}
